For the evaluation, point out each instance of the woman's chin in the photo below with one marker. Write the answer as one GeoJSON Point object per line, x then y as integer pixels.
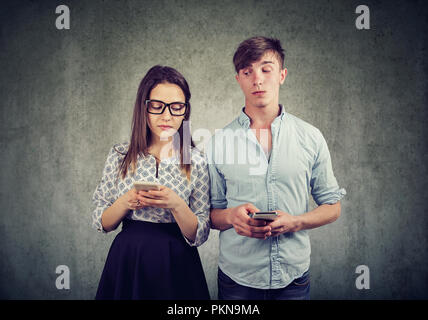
{"type": "Point", "coordinates": [167, 134]}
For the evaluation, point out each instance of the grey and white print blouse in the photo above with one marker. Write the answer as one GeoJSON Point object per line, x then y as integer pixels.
{"type": "Point", "coordinates": [169, 174]}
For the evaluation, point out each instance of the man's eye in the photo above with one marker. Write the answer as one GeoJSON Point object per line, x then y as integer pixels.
{"type": "Point", "coordinates": [267, 70]}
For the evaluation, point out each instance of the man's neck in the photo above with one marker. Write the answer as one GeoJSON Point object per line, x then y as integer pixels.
{"type": "Point", "coordinates": [262, 117]}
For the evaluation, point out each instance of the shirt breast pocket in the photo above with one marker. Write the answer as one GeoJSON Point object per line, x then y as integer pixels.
{"type": "Point", "coordinates": [294, 169]}
{"type": "Point", "coordinates": [241, 190]}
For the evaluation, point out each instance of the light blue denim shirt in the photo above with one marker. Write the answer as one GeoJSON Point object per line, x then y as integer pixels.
{"type": "Point", "coordinates": [240, 172]}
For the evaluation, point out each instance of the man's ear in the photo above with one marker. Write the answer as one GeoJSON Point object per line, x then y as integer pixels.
{"type": "Point", "coordinates": [283, 75]}
{"type": "Point", "coordinates": [237, 77]}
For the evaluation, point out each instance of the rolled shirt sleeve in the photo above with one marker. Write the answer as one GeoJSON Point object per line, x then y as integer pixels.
{"type": "Point", "coordinates": [199, 202]}
{"type": "Point", "coordinates": [217, 182]}
{"type": "Point", "coordinates": [324, 187]}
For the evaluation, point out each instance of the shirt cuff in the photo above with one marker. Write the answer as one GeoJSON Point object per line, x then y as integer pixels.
{"type": "Point", "coordinates": [330, 197]}
{"type": "Point", "coordinates": [218, 204]}
{"type": "Point", "coordinates": [96, 220]}
{"type": "Point", "coordinates": [202, 233]}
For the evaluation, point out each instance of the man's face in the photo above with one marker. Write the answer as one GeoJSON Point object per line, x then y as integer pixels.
{"type": "Point", "coordinates": [261, 80]}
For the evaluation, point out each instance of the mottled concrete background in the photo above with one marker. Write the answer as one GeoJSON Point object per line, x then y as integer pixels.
{"type": "Point", "coordinates": [67, 97]}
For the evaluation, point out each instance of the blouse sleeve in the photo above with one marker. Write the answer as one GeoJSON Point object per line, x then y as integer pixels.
{"type": "Point", "coordinates": [199, 203]}
{"type": "Point", "coordinates": [106, 192]}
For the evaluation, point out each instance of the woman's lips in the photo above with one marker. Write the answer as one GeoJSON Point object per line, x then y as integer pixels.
{"type": "Point", "coordinates": [165, 127]}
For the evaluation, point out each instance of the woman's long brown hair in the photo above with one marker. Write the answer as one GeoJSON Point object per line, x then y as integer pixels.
{"type": "Point", "coordinates": [141, 134]}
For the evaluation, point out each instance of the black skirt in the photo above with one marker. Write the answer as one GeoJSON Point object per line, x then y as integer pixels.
{"type": "Point", "coordinates": [152, 261]}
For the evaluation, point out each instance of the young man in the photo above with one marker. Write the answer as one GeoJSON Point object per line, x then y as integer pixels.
{"type": "Point", "coordinates": [267, 160]}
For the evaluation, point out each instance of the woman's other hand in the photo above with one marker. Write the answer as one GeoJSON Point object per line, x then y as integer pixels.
{"type": "Point", "coordinates": [164, 198]}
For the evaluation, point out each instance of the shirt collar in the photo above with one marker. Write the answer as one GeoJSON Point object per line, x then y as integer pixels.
{"type": "Point", "coordinates": [245, 121]}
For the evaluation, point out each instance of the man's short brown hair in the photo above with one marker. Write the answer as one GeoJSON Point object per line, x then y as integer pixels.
{"type": "Point", "coordinates": [253, 48]}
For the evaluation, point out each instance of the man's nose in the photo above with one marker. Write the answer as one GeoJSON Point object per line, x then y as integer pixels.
{"type": "Point", "coordinates": [257, 78]}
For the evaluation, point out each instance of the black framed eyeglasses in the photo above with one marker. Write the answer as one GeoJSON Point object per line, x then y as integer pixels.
{"type": "Point", "coordinates": [158, 107]}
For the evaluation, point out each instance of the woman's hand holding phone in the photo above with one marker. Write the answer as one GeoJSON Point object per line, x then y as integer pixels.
{"type": "Point", "coordinates": [132, 200]}
{"type": "Point", "coordinates": [163, 198]}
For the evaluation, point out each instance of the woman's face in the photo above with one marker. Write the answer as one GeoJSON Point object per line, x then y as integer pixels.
{"type": "Point", "coordinates": [165, 125]}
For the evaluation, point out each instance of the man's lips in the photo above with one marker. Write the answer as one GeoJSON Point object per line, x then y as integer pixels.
{"type": "Point", "coordinates": [258, 93]}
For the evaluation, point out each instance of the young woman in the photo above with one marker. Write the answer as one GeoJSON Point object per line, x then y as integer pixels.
{"type": "Point", "coordinates": [155, 255]}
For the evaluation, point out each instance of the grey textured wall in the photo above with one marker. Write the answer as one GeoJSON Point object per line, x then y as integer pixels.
{"type": "Point", "coordinates": [67, 97]}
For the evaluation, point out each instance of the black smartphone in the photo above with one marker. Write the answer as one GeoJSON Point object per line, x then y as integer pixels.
{"type": "Point", "coordinates": [264, 215]}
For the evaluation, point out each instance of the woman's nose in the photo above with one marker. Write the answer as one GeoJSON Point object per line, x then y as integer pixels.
{"type": "Point", "coordinates": [166, 115]}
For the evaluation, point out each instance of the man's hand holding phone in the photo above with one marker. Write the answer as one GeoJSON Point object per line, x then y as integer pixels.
{"type": "Point", "coordinates": [246, 226]}
{"type": "Point", "coordinates": [285, 223]}
{"type": "Point", "coordinates": [248, 221]}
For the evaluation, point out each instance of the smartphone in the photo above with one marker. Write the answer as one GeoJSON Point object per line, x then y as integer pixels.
{"type": "Point", "coordinates": [265, 215]}
{"type": "Point", "coordinates": [146, 186]}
